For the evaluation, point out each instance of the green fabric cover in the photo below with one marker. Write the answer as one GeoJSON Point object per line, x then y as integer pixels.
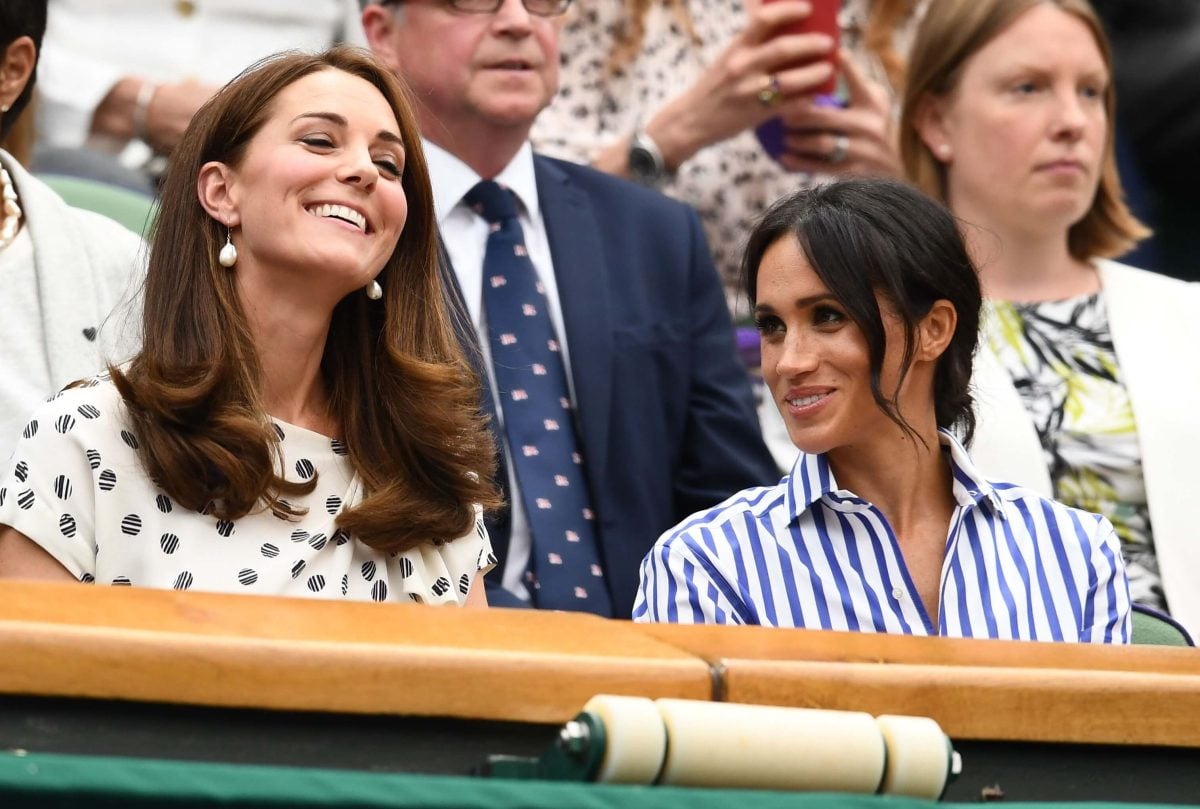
{"type": "Point", "coordinates": [46, 781]}
{"type": "Point", "coordinates": [1149, 630]}
{"type": "Point", "coordinates": [129, 208]}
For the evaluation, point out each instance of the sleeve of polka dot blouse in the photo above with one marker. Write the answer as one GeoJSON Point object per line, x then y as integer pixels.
{"type": "Point", "coordinates": [47, 492]}
{"type": "Point", "coordinates": [469, 557]}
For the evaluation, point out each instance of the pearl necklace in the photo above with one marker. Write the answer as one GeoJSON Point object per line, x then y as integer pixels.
{"type": "Point", "coordinates": [12, 211]}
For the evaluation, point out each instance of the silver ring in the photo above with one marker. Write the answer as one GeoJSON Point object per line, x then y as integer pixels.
{"type": "Point", "coordinates": [841, 145]}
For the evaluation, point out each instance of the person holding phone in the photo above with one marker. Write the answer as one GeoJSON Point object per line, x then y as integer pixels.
{"type": "Point", "coordinates": [670, 94]}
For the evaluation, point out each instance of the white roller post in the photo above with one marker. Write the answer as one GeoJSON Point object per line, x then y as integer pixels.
{"type": "Point", "coordinates": [636, 740]}
{"type": "Point", "coordinates": [761, 747]}
{"type": "Point", "coordinates": [918, 756]}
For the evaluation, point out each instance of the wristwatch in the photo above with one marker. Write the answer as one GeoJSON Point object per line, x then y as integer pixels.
{"type": "Point", "coordinates": [646, 164]}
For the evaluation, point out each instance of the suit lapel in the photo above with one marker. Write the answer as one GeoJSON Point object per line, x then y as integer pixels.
{"type": "Point", "coordinates": [577, 251]}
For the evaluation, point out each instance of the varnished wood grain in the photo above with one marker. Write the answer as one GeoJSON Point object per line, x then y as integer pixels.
{"type": "Point", "coordinates": [717, 643]}
{"type": "Point", "coordinates": [299, 654]}
{"type": "Point", "coordinates": [994, 703]}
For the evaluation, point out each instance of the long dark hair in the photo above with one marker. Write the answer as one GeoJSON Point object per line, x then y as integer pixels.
{"type": "Point", "coordinates": [864, 236]}
{"type": "Point", "coordinates": [404, 396]}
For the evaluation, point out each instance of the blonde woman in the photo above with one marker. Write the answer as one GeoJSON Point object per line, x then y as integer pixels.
{"type": "Point", "coordinates": [1008, 118]}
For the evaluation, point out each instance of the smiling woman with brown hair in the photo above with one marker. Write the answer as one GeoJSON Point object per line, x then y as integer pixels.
{"type": "Point", "coordinates": [301, 418]}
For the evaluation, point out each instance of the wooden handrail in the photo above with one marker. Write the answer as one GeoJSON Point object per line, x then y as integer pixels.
{"type": "Point", "coordinates": [295, 654]}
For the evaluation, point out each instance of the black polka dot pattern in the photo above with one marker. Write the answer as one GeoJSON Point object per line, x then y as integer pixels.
{"type": "Point", "coordinates": [76, 481]}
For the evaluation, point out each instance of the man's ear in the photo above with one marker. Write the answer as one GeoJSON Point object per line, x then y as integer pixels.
{"type": "Point", "coordinates": [16, 65]}
{"type": "Point", "coordinates": [930, 123]}
{"type": "Point", "coordinates": [218, 193]}
{"type": "Point", "coordinates": [379, 27]}
{"type": "Point", "coordinates": [936, 330]}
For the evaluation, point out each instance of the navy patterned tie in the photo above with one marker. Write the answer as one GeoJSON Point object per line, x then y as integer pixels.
{"type": "Point", "coordinates": [531, 384]}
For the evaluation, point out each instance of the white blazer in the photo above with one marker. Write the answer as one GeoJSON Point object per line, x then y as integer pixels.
{"type": "Point", "coordinates": [1155, 324]}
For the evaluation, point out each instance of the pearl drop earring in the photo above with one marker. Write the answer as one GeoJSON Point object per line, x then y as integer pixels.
{"type": "Point", "coordinates": [943, 151]}
{"type": "Point", "coordinates": [228, 255]}
{"type": "Point", "coordinates": [374, 291]}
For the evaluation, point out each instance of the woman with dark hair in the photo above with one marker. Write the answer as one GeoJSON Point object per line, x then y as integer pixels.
{"type": "Point", "coordinates": [63, 269]}
{"type": "Point", "coordinates": [868, 306]}
{"type": "Point", "coordinates": [301, 419]}
{"type": "Point", "coordinates": [1008, 117]}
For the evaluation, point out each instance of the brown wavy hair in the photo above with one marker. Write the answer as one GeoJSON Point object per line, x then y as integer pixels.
{"type": "Point", "coordinates": [400, 388]}
{"type": "Point", "coordinates": [951, 33]}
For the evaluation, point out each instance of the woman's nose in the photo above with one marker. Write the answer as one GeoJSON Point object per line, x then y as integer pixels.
{"type": "Point", "coordinates": [358, 169]}
{"type": "Point", "coordinates": [797, 356]}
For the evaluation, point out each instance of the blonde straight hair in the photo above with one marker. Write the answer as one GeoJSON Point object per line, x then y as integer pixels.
{"type": "Point", "coordinates": [955, 30]}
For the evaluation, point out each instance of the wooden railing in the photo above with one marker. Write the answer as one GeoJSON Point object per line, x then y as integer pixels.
{"type": "Point", "coordinates": [287, 654]}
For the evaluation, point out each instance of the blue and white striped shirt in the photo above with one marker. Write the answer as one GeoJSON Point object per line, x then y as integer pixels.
{"type": "Point", "coordinates": [805, 553]}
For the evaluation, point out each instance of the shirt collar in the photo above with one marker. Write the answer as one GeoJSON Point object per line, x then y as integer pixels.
{"type": "Point", "coordinates": [452, 179]}
{"type": "Point", "coordinates": [812, 478]}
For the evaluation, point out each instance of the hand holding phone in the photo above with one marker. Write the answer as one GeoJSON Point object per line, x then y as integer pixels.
{"type": "Point", "coordinates": [822, 20]}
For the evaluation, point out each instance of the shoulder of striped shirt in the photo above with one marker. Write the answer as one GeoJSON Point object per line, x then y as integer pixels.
{"type": "Point", "coordinates": [755, 501]}
{"type": "Point", "coordinates": [1014, 493]}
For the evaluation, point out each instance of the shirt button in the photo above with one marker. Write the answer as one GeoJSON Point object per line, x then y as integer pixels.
{"type": "Point", "coordinates": [898, 594]}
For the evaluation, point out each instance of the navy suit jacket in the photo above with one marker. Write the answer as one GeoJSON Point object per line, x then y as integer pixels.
{"type": "Point", "coordinates": [665, 410]}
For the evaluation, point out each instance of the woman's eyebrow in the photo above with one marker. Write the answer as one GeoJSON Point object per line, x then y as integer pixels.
{"type": "Point", "coordinates": [339, 120]}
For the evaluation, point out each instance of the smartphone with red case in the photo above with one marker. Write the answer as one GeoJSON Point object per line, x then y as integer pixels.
{"type": "Point", "coordinates": [824, 20]}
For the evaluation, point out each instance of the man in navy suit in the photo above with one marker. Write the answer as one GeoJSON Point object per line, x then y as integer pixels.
{"type": "Point", "coordinates": [664, 409]}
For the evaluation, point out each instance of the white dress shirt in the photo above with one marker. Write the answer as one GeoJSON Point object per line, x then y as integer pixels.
{"type": "Point", "coordinates": [465, 234]}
